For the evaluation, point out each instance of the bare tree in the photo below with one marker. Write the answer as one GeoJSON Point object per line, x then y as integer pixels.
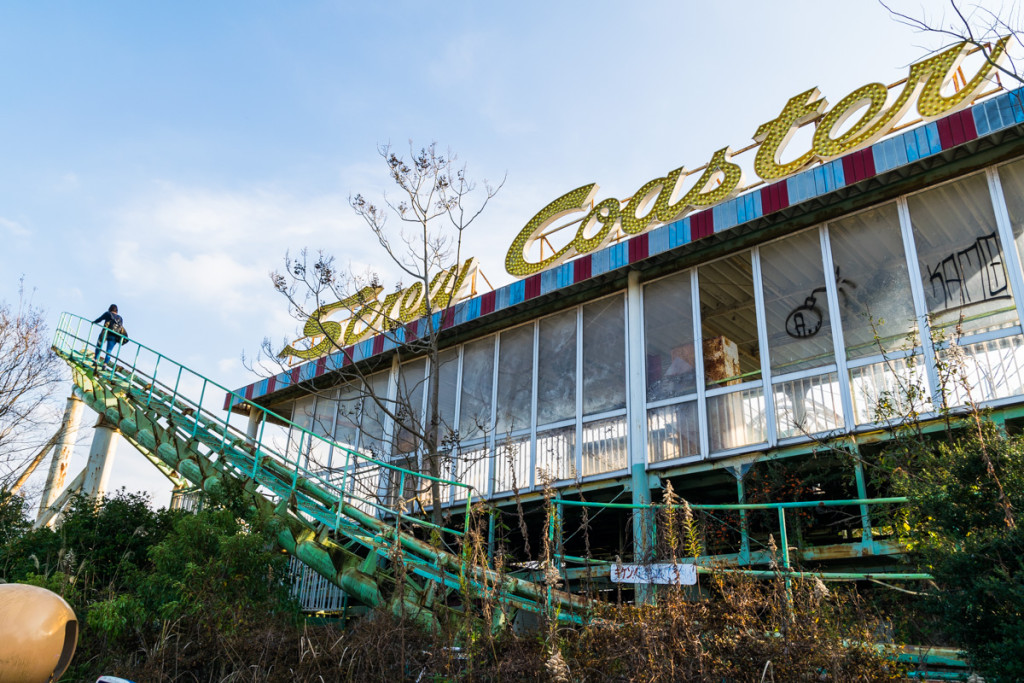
{"type": "Point", "coordinates": [435, 204]}
{"type": "Point", "coordinates": [29, 374]}
{"type": "Point", "coordinates": [971, 22]}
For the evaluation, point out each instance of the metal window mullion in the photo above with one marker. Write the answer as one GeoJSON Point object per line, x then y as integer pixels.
{"type": "Point", "coordinates": [804, 374]}
{"type": "Point", "coordinates": [838, 338]}
{"type": "Point", "coordinates": [771, 429]}
{"type": "Point", "coordinates": [698, 362]}
{"type": "Point", "coordinates": [491, 439]}
{"type": "Point", "coordinates": [920, 303]}
{"type": "Point", "coordinates": [456, 419]}
{"type": "Point", "coordinates": [535, 387]}
{"type": "Point", "coordinates": [636, 385]}
{"type": "Point", "coordinates": [1005, 227]}
{"type": "Point", "coordinates": [578, 449]}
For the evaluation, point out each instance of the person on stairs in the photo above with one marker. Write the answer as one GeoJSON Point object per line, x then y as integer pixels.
{"type": "Point", "coordinates": [113, 332]}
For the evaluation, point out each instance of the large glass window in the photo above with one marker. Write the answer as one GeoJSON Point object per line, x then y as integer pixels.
{"type": "Point", "coordinates": [728, 322]}
{"type": "Point", "coordinates": [477, 384]}
{"type": "Point", "coordinates": [375, 413]}
{"type": "Point", "coordinates": [604, 356]}
{"type": "Point", "coordinates": [962, 267]}
{"type": "Point", "coordinates": [515, 380]}
{"type": "Point", "coordinates": [873, 282]}
{"type": "Point", "coordinates": [668, 332]}
{"type": "Point", "coordinates": [409, 406]}
{"type": "Point", "coordinates": [448, 389]}
{"type": "Point", "coordinates": [556, 373]}
{"type": "Point", "coordinates": [796, 304]}
{"type": "Point", "coordinates": [731, 352]}
{"type": "Point", "coordinates": [346, 431]}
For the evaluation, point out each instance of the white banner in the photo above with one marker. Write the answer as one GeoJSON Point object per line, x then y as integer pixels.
{"type": "Point", "coordinates": [673, 574]}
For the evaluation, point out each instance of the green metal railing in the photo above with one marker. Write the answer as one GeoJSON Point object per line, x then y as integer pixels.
{"type": "Point", "coordinates": [785, 562]}
{"type": "Point", "coordinates": [164, 379]}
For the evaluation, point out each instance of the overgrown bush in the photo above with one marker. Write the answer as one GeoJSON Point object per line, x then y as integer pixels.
{"type": "Point", "coordinates": [961, 526]}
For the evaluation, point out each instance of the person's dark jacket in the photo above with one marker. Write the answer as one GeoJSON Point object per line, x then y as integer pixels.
{"type": "Point", "coordinates": [114, 323]}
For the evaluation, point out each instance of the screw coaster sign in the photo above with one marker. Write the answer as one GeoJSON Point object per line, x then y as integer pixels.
{"type": "Point", "coordinates": [669, 574]}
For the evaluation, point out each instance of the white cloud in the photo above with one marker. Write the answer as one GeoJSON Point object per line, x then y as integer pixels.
{"type": "Point", "coordinates": [14, 228]}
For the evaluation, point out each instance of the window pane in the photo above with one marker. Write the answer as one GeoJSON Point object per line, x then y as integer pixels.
{"type": "Point", "coordinates": [604, 356]}
{"type": "Point", "coordinates": [556, 376]}
{"type": "Point", "coordinates": [409, 406]}
{"type": "Point", "coordinates": [604, 445]}
{"type": "Point", "coordinates": [873, 282]}
{"type": "Point", "coordinates": [808, 405]}
{"type": "Point", "coordinates": [728, 321]}
{"type": "Point", "coordinates": [477, 382]}
{"type": "Point", "coordinates": [302, 416]}
{"type": "Point", "coordinates": [796, 304]}
{"type": "Point", "coordinates": [471, 467]}
{"type": "Point", "coordinates": [962, 266]}
{"type": "Point", "coordinates": [515, 379]}
{"type": "Point", "coordinates": [889, 390]}
{"type": "Point", "coordinates": [375, 405]}
{"type": "Point", "coordinates": [448, 377]}
{"type": "Point", "coordinates": [668, 328]}
{"type": "Point", "coordinates": [512, 465]}
{"type": "Point", "coordinates": [320, 451]}
{"type": "Point", "coordinates": [347, 430]}
{"type": "Point", "coordinates": [556, 454]}
{"type": "Point", "coordinates": [989, 370]}
{"type": "Point", "coordinates": [736, 419]}
{"type": "Point", "coordinates": [672, 432]}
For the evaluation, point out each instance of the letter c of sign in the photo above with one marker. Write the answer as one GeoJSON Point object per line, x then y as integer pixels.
{"type": "Point", "coordinates": [515, 260]}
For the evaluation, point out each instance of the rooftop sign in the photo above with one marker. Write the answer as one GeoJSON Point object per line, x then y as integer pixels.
{"type": "Point", "coordinates": [363, 314]}
{"type": "Point", "coordinates": [663, 200]}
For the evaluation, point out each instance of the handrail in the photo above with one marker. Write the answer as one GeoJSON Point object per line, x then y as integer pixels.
{"type": "Point", "coordinates": [736, 506]}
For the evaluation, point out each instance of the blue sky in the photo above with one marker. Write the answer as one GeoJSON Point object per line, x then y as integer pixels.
{"type": "Point", "coordinates": [166, 156]}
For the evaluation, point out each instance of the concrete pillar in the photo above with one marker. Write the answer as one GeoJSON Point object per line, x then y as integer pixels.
{"type": "Point", "coordinates": [636, 413]}
{"type": "Point", "coordinates": [252, 430]}
{"type": "Point", "coordinates": [101, 460]}
{"type": "Point", "coordinates": [62, 452]}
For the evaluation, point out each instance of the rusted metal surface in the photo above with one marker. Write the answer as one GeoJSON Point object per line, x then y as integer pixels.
{"type": "Point", "coordinates": [62, 451]}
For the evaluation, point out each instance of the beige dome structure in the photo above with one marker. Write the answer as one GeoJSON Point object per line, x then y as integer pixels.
{"type": "Point", "coordinates": [38, 634]}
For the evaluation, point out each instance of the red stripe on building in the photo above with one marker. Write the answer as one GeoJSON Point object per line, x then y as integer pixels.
{"type": "Point", "coordinates": [321, 366]}
{"type": "Point", "coordinates": [378, 344]}
{"type": "Point", "coordinates": [347, 355]}
{"type": "Point", "coordinates": [638, 248]}
{"type": "Point", "coordinates": [295, 375]}
{"type": "Point", "coordinates": [858, 166]}
{"type": "Point", "coordinates": [448, 318]}
{"type": "Point", "coordinates": [775, 197]}
{"type": "Point", "coordinates": [702, 224]}
{"type": "Point", "coordinates": [532, 287]}
{"type": "Point", "coordinates": [271, 384]}
{"type": "Point", "coordinates": [956, 129]}
{"type": "Point", "coordinates": [581, 269]}
{"type": "Point", "coordinates": [487, 302]}
{"type": "Point", "coordinates": [248, 391]}
{"type": "Point", "coordinates": [411, 330]}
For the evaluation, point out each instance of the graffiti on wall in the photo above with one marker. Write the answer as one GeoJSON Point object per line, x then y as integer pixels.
{"type": "Point", "coordinates": [969, 276]}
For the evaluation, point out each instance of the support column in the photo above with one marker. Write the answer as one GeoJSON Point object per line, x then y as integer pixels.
{"type": "Point", "coordinates": [252, 429]}
{"type": "Point", "coordinates": [62, 450]}
{"type": "Point", "coordinates": [101, 460]}
{"type": "Point", "coordinates": [636, 413]}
